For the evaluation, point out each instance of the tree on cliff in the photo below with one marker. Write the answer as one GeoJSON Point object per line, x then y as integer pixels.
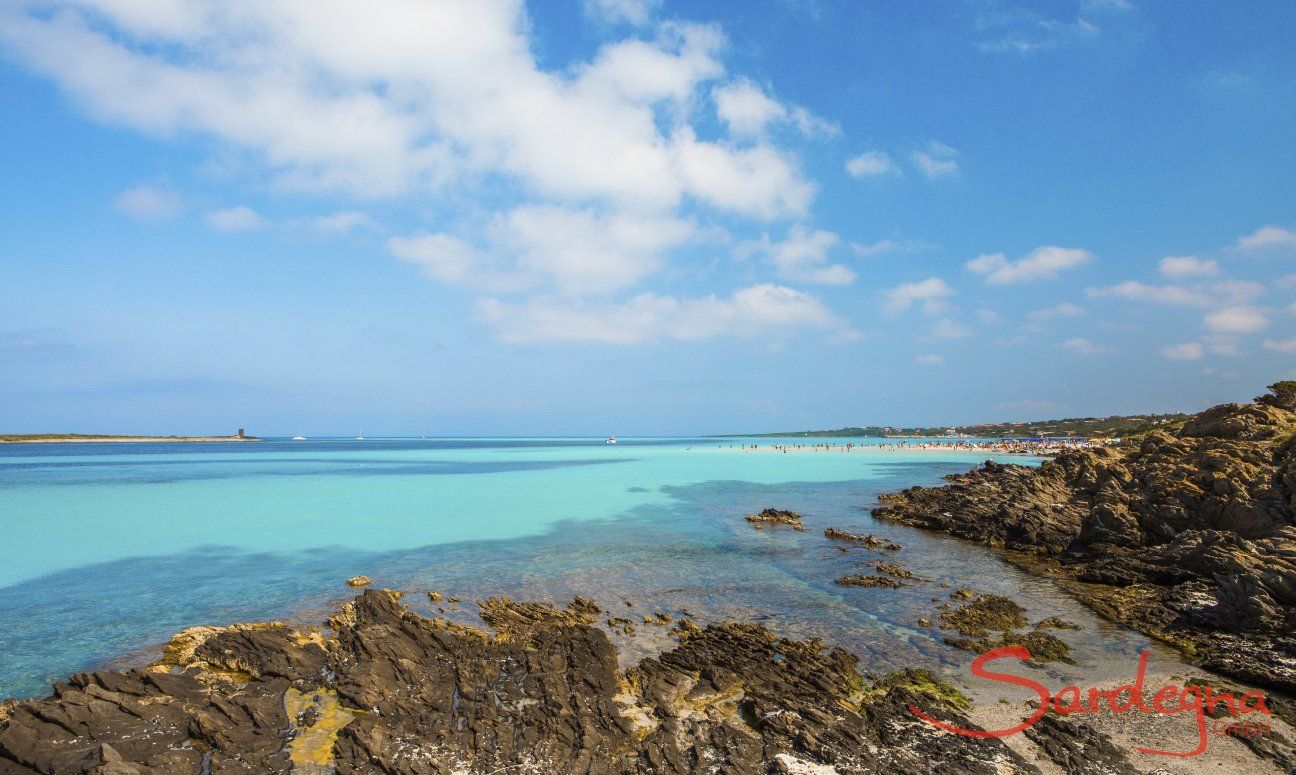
{"type": "Point", "coordinates": [1281, 394]}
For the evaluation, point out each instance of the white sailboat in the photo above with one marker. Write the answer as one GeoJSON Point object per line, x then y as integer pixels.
{"type": "Point", "coordinates": [610, 440]}
{"type": "Point", "coordinates": [299, 437]}
{"type": "Point", "coordinates": [361, 436]}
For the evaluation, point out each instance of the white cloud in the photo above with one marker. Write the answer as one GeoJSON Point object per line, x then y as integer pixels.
{"type": "Point", "coordinates": [339, 222]}
{"type": "Point", "coordinates": [1160, 294]}
{"type": "Point", "coordinates": [243, 218]}
{"type": "Point", "coordinates": [1236, 320]}
{"type": "Point", "coordinates": [930, 359]}
{"type": "Point", "coordinates": [1267, 238]}
{"type": "Point", "coordinates": [1187, 351]}
{"type": "Point", "coordinates": [637, 12]}
{"type": "Point", "coordinates": [240, 218]}
{"type": "Point", "coordinates": [886, 246]}
{"type": "Point", "coordinates": [1222, 344]}
{"type": "Point", "coordinates": [949, 329]}
{"type": "Point", "coordinates": [1286, 346]}
{"type": "Point", "coordinates": [802, 256]}
{"type": "Point", "coordinates": [872, 164]}
{"type": "Point", "coordinates": [148, 203]}
{"type": "Point", "coordinates": [417, 95]}
{"type": "Point", "coordinates": [1042, 263]}
{"type": "Point", "coordinates": [1083, 346]}
{"type": "Point", "coordinates": [754, 311]}
{"type": "Point", "coordinates": [746, 108]}
{"type": "Point", "coordinates": [937, 161]}
{"type": "Point", "coordinates": [930, 294]}
{"type": "Point", "coordinates": [1064, 309]}
{"type": "Point", "coordinates": [748, 112]}
{"type": "Point", "coordinates": [1188, 266]}
{"type": "Point", "coordinates": [575, 252]}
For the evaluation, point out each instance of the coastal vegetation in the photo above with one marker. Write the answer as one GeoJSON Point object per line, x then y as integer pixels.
{"type": "Point", "coordinates": [1116, 426]}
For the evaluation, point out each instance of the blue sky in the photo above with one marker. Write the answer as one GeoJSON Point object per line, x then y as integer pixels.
{"type": "Point", "coordinates": [635, 217]}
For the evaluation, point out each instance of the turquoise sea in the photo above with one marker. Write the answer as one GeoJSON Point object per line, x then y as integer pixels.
{"type": "Point", "coordinates": [108, 549]}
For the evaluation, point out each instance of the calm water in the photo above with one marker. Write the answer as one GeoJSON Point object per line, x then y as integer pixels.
{"type": "Point", "coordinates": [107, 549]}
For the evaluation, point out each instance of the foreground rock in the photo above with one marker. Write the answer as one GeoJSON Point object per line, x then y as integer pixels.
{"type": "Point", "coordinates": [394, 692]}
{"type": "Point", "coordinates": [1189, 537]}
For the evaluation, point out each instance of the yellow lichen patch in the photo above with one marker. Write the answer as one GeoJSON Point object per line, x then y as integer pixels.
{"type": "Point", "coordinates": [311, 749]}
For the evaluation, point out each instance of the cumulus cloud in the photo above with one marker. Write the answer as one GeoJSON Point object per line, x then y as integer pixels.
{"type": "Point", "coordinates": [872, 164]}
{"type": "Point", "coordinates": [888, 246]}
{"type": "Point", "coordinates": [1267, 238]}
{"type": "Point", "coordinates": [1064, 309]}
{"type": "Point", "coordinates": [930, 295]}
{"type": "Point", "coordinates": [1042, 263]}
{"type": "Point", "coordinates": [1083, 346]}
{"type": "Point", "coordinates": [1187, 351]}
{"type": "Point", "coordinates": [243, 218]}
{"type": "Point", "coordinates": [1236, 320]}
{"type": "Point", "coordinates": [801, 256]}
{"type": "Point", "coordinates": [949, 329]}
{"type": "Point", "coordinates": [1159, 294]}
{"type": "Point", "coordinates": [380, 103]}
{"type": "Point", "coordinates": [748, 112]}
{"type": "Point", "coordinates": [637, 12]}
{"type": "Point", "coordinates": [148, 203]}
{"type": "Point", "coordinates": [754, 311]}
{"type": "Point", "coordinates": [1187, 266]}
{"type": "Point", "coordinates": [339, 222]}
{"type": "Point", "coordinates": [1286, 346]}
{"type": "Point", "coordinates": [240, 218]}
{"type": "Point", "coordinates": [937, 161]}
{"type": "Point", "coordinates": [571, 251]}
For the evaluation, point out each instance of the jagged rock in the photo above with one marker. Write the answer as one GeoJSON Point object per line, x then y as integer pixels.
{"type": "Point", "coordinates": [394, 692]}
{"type": "Point", "coordinates": [776, 517]}
{"type": "Point", "coordinates": [359, 581]}
{"type": "Point", "coordinates": [870, 541]}
{"type": "Point", "coordinates": [1188, 537]}
{"type": "Point", "coordinates": [1246, 422]}
{"type": "Point", "coordinates": [864, 580]}
{"type": "Point", "coordinates": [1079, 748]}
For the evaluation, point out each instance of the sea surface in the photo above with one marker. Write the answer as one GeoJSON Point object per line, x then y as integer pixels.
{"type": "Point", "coordinates": [108, 549]}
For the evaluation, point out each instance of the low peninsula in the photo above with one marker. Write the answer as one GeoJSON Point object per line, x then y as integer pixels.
{"type": "Point", "coordinates": [82, 438]}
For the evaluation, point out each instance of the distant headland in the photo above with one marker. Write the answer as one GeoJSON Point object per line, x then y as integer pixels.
{"type": "Point", "coordinates": [1115, 426]}
{"type": "Point", "coordinates": [57, 438]}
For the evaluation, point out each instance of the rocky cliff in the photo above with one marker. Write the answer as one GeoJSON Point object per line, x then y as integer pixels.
{"type": "Point", "coordinates": [1190, 537]}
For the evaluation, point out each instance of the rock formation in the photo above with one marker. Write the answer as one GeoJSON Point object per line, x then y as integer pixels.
{"type": "Point", "coordinates": [1187, 536]}
{"type": "Point", "coordinates": [389, 691]}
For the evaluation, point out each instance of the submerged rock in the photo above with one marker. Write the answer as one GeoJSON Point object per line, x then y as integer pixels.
{"type": "Point", "coordinates": [864, 580]}
{"type": "Point", "coordinates": [870, 541]}
{"type": "Point", "coordinates": [394, 692]}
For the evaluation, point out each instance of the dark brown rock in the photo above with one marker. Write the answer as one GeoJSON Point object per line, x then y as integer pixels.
{"type": "Point", "coordinates": [1188, 537]}
{"type": "Point", "coordinates": [776, 517]}
{"type": "Point", "coordinates": [400, 693]}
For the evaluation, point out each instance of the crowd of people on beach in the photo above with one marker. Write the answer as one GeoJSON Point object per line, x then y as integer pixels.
{"type": "Point", "coordinates": [1033, 446]}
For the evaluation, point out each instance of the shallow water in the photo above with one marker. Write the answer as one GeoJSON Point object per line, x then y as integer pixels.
{"type": "Point", "coordinates": [110, 548]}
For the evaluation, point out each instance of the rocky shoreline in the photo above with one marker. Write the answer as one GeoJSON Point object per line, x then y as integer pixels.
{"type": "Point", "coordinates": [1189, 537]}
{"type": "Point", "coordinates": [387, 690]}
